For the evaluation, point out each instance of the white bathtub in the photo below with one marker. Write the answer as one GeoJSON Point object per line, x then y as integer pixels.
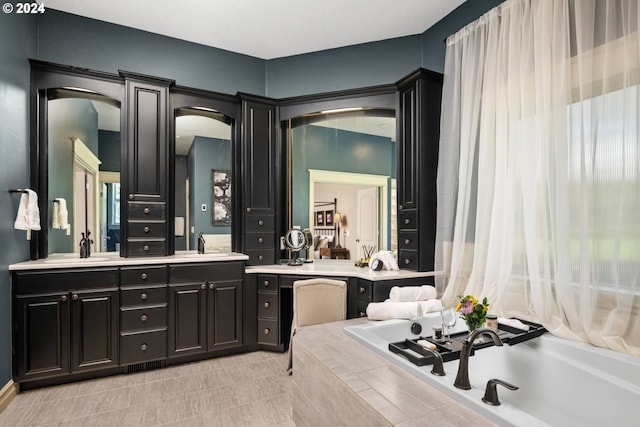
{"type": "Point", "coordinates": [561, 382]}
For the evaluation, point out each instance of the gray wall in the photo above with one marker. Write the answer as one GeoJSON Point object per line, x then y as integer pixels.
{"type": "Point", "coordinates": [68, 39]}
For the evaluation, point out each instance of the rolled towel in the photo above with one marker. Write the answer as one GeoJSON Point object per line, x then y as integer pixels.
{"type": "Point", "coordinates": [514, 323]}
{"type": "Point", "coordinates": [412, 293]}
{"type": "Point", "coordinates": [394, 310]}
{"type": "Point", "coordinates": [431, 306]}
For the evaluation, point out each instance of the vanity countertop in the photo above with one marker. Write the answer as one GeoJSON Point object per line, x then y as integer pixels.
{"type": "Point", "coordinates": [333, 267]}
{"type": "Point", "coordinates": [111, 259]}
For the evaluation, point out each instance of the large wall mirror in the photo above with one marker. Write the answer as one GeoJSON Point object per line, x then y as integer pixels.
{"type": "Point", "coordinates": [341, 174]}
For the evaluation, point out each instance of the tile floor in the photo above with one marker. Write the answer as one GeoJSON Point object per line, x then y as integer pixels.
{"type": "Point", "coordinates": [251, 389]}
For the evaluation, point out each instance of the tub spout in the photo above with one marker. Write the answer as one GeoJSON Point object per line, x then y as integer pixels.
{"type": "Point", "coordinates": [462, 379]}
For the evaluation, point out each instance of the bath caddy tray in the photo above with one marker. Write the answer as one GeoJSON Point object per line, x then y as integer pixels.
{"type": "Point", "coordinates": [417, 355]}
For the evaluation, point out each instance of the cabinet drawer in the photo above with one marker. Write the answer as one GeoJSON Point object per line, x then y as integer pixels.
{"type": "Point", "coordinates": [259, 223]}
{"type": "Point", "coordinates": [143, 318]}
{"type": "Point", "coordinates": [267, 331]}
{"type": "Point", "coordinates": [44, 281]}
{"type": "Point", "coordinates": [146, 210]}
{"type": "Point", "coordinates": [267, 283]}
{"type": "Point", "coordinates": [261, 256]}
{"type": "Point", "coordinates": [146, 229]}
{"type": "Point", "coordinates": [259, 240]}
{"type": "Point", "coordinates": [408, 240]}
{"type": "Point", "coordinates": [211, 272]}
{"type": "Point", "coordinates": [143, 275]}
{"type": "Point", "coordinates": [143, 347]}
{"type": "Point", "coordinates": [407, 219]}
{"type": "Point", "coordinates": [408, 260]}
{"type": "Point", "coordinates": [267, 305]}
{"type": "Point", "coordinates": [146, 248]}
{"type": "Point", "coordinates": [364, 290]}
{"type": "Point", "coordinates": [143, 296]}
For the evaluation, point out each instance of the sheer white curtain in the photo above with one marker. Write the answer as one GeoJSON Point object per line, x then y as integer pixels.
{"type": "Point", "coordinates": [539, 168]}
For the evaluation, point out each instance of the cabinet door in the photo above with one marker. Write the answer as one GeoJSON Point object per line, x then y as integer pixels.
{"type": "Point", "coordinates": [187, 318]}
{"type": "Point", "coordinates": [94, 317]}
{"type": "Point", "coordinates": [42, 325]}
{"type": "Point", "coordinates": [225, 315]}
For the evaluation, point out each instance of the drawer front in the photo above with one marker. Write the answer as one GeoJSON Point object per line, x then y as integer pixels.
{"type": "Point", "coordinates": [202, 272]}
{"type": "Point", "coordinates": [408, 240]}
{"type": "Point", "coordinates": [143, 318]}
{"type": "Point", "coordinates": [146, 229]}
{"type": "Point", "coordinates": [408, 260]}
{"type": "Point", "coordinates": [267, 305]}
{"type": "Point", "coordinates": [407, 219]}
{"type": "Point", "coordinates": [140, 297]}
{"type": "Point", "coordinates": [267, 283]}
{"type": "Point", "coordinates": [267, 331]}
{"type": "Point", "coordinates": [143, 275]}
{"type": "Point", "coordinates": [146, 210]}
{"type": "Point", "coordinates": [143, 347]}
{"type": "Point", "coordinates": [43, 281]}
{"type": "Point", "coordinates": [259, 223]}
{"type": "Point", "coordinates": [364, 290]}
{"type": "Point", "coordinates": [146, 248]}
{"type": "Point", "coordinates": [261, 256]}
{"type": "Point", "coordinates": [259, 240]}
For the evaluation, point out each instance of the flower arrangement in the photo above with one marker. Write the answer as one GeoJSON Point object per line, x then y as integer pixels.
{"type": "Point", "coordinates": [472, 311]}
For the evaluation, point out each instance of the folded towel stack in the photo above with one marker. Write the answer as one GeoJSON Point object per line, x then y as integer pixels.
{"type": "Point", "coordinates": [61, 215]}
{"type": "Point", "coordinates": [28, 217]}
{"type": "Point", "coordinates": [401, 309]}
{"type": "Point", "coordinates": [412, 293]}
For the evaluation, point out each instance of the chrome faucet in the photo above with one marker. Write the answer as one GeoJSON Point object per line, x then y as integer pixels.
{"type": "Point", "coordinates": [462, 379]}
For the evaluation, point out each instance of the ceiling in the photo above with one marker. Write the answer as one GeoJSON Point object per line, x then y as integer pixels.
{"type": "Point", "coordinates": [268, 29]}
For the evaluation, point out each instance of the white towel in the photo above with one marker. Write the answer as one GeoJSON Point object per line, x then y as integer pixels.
{"type": "Point", "coordinates": [21, 222]}
{"type": "Point", "coordinates": [514, 323]}
{"type": "Point", "coordinates": [388, 260]}
{"type": "Point", "coordinates": [412, 293]}
{"type": "Point", "coordinates": [28, 217]}
{"type": "Point", "coordinates": [61, 215]}
{"type": "Point", "coordinates": [401, 310]}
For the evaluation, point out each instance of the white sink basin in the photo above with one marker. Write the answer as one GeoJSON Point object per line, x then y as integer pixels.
{"type": "Point", "coordinates": [75, 260]}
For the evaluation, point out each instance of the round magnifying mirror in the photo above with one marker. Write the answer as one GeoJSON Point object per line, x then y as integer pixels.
{"type": "Point", "coordinates": [295, 239]}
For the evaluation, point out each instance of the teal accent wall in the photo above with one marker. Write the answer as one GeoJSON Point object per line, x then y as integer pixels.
{"type": "Point", "coordinates": [109, 150]}
{"type": "Point", "coordinates": [317, 147]}
{"type": "Point", "coordinates": [17, 43]}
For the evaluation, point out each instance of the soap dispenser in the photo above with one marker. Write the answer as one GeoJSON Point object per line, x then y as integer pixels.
{"type": "Point", "coordinates": [200, 244]}
{"type": "Point", "coordinates": [83, 246]}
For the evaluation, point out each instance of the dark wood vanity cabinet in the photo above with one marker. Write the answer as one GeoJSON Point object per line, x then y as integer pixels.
{"type": "Point", "coordinates": [65, 322]}
{"type": "Point", "coordinates": [418, 119]}
{"type": "Point", "coordinates": [205, 308]}
{"type": "Point", "coordinates": [145, 159]}
{"type": "Point", "coordinates": [260, 183]}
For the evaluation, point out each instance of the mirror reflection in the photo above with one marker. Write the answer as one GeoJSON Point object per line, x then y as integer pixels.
{"type": "Point", "coordinates": [203, 180]}
{"type": "Point", "coordinates": [342, 181]}
{"type": "Point", "coordinates": [83, 173]}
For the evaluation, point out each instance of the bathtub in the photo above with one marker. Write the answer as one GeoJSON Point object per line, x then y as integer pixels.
{"type": "Point", "coordinates": [561, 382]}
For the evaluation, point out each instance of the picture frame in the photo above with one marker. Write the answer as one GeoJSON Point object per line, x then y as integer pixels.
{"type": "Point", "coordinates": [320, 218]}
{"type": "Point", "coordinates": [221, 182]}
{"type": "Point", "coordinates": [328, 218]}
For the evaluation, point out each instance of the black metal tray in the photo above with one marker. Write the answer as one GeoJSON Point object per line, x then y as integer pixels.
{"type": "Point", "coordinates": [450, 350]}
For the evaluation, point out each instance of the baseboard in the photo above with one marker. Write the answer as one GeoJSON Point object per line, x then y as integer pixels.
{"type": "Point", "coordinates": [8, 392]}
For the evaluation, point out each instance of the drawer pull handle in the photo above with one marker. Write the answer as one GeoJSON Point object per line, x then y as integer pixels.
{"type": "Point", "coordinates": [131, 196]}
{"type": "Point", "coordinates": [407, 221]}
{"type": "Point", "coordinates": [267, 304]}
{"type": "Point", "coordinates": [266, 331]}
{"type": "Point", "coordinates": [363, 314]}
{"type": "Point", "coordinates": [63, 298]}
{"type": "Point", "coordinates": [361, 290]}
{"type": "Point", "coordinates": [211, 286]}
{"type": "Point", "coordinates": [248, 209]}
{"type": "Point", "coordinates": [144, 347]}
{"type": "Point", "coordinates": [144, 276]}
{"type": "Point", "coordinates": [147, 211]}
{"type": "Point", "coordinates": [146, 248]}
{"type": "Point", "coordinates": [260, 240]}
{"type": "Point", "coordinates": [143, 296]}
{"type": "Point", "coordinates": [265, 283]}
{"type": "Point", "coordinates": [260, 257]}
{"type": "Point", "coordinates": [407, 261]}
{"type": "Point", "coordinates": [144, 318]}
{"type": "Point", "coordinates": [146, 229]}
{"type": "Point", "coordinates": [260, 223]}
{"type": "Point", "coordinates": [74, 297]}
{"type": "Point", "coordinates": [203, 286]}
{"type": "Point", "coordinates": [407, 241]}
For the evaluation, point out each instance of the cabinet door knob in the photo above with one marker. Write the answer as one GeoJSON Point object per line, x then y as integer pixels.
{"type": "Point", "coordinates": [265, 283]}
{"type": "Point", "coordinates": [147, 211]}
{"type": "Point", "coordinates": [74, 297]}
{"type": "Point", "coordinates": [146, 248]}
{"type": "Point", "coordinates": [144, 347]}
{"type": "Point", "coordinates": [248, 209]}
{"type": "Point", "coordinates": [407, 221]}
{"type": "Point", "coordinates": [260, 240]}
{"type": "Point", "coordinates": [211, 286]}
{"type": "Point", "coordinates": [203, 286]}
{"type": "Point", "coordinates": [145, 229]}
{"type": "Point", "coordinates": [407, 261]}
{"type": "Point", "coordinates": [260, 223]}
{"type": "Point", "coordinates": [144, 317]}
{"type": "Point", "coordinates": [407, 241]}
{"type": "Point", "coordinates": [144, 276]}
{"type": "Point", "coordinates": [266, 331]}
{"type": "Point", "coordinates": [63, 298]}
{"type": "Point", "coordinates": [267, 304]}
{"type": "Point", "coordinates": [131, 196]}
{"type": "Point", "coordinates": [361, 289]}
{"type": "Point", "coordinates": [363, 314]}
{"type": "Point", "coordinates": [143, 296]}
{"type": "Point", "coordinates": [260, 257]}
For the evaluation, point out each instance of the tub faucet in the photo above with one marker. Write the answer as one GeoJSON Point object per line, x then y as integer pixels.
{"type": "Point", "coordinates": [462, 379]}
